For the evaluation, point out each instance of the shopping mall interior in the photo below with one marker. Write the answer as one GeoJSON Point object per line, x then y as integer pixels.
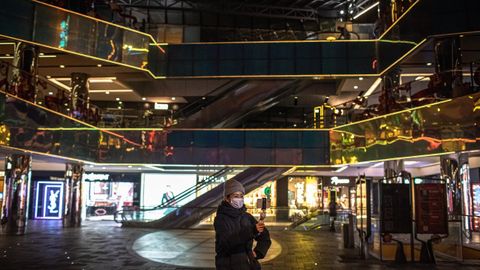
{"type": "Point", "coordinates": [120, 121]}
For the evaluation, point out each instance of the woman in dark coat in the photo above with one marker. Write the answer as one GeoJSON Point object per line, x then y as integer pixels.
{"type": "Point", "coordinates": [235, 230]}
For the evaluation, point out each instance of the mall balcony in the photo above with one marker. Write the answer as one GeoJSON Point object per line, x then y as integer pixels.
{"type": "Point", "coordinates": [352, 126]}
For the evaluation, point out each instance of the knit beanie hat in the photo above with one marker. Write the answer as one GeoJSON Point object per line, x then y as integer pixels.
{"type": "Point", "coordinates": [232, 186]}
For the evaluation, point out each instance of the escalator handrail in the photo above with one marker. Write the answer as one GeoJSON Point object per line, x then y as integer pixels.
{"type": "Point", "coordinates": [186, 193]}
{"type": "Point", "coordinates": [195, 104]}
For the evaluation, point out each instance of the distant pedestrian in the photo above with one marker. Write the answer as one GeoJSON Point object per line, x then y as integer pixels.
{"type": "Point", "coordinates": [332, 212]}
{"type": "Point", "coordinates": [235, 230]}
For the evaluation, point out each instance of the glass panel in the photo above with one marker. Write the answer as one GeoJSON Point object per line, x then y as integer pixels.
{"type": "Point", "coordinates": [442, 127]}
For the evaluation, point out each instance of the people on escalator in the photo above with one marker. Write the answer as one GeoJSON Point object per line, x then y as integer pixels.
{"type": "Point", "coordinates": [235, 230]}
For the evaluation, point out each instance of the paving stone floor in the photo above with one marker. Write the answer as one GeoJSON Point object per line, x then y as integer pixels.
{"type": "Point", "coordinates": [105, 245]}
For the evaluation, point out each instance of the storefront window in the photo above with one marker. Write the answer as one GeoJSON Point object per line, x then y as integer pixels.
{"type": "Point", "coordinates": [267, 190]}
{"type": "Point", "coordinates": [104, 198]}
{"type": "Point", "coordinates": [303, 192]}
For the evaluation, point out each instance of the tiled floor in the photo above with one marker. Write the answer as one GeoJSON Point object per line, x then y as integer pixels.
{"type": "Point", "coordinates": [104, 245]}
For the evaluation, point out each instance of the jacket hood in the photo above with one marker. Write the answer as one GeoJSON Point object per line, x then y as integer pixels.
{"type": "Point", "coordinates": [226, 209]}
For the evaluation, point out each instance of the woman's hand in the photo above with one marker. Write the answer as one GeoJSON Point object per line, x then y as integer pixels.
{"type": "Point", "coordinates": [260, 226]}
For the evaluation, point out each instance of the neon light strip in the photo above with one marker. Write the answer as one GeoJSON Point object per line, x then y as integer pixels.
{"type": "Point", "coordinates": [399, 19]}
{"type": "Point", "coordinates": [84, 55]}
{"type": "Point", "coordinates": [390, 114]}
{"type": "Point", "coordinates": [72, 118]}
{"type": "Point", "coordinates": [397, 158]}
{"type": "Point", "coordinates": [365, 10]}
{"type": "Point", "coordinates": [187, 129]}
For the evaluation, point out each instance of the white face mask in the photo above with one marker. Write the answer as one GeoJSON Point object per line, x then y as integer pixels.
{"type": "Point", "coordinates": [237, 203]}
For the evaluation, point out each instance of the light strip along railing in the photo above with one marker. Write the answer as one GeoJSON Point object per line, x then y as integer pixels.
{"type": "Point", "coordinates": [200, 185]}
{"type": "Point", "coordinates": [44, 93]}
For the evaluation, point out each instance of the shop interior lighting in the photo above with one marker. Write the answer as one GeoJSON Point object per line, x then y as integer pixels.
{"type": "Point", "coordinates": [144, 98]}
{"type": "Point", "coordinates": [341, 169]}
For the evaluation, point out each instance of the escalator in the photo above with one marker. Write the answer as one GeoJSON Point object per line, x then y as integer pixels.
{"type": "Point", "coordinates": [248, 97]}
{"type": "Point", "coordinates": [200, 208]}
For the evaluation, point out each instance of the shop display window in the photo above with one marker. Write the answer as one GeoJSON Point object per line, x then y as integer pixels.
{"type": "Point", "coordinates": [104, 198]}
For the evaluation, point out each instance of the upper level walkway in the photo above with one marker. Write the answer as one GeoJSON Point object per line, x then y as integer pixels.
{"type": "Point", "coordinates": [66, 31]}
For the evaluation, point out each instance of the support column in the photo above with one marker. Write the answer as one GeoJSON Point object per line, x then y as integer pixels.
{"type": "Point", "coordinates": [455, 169]}
{"type": "Point", "coordinates": [73, 195]}
{"type": "Point", "coordinates": [392, 169]}
{"type": "Point", "coordinates": [80, 100]}
{"type": "Point", "coordinates": [23, 77]}
{"type": "Point", "coordinates": [16, 201]}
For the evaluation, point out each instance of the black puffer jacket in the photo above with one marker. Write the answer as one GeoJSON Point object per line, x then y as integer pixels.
{"type": "Point", "coordinates": [234, 233]}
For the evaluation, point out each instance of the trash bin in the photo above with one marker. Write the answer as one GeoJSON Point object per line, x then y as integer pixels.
{"type": "Point", "coordinates": [347, 235]}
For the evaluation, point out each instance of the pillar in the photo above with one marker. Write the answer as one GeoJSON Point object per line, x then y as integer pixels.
{"type": "Point", "coordinates": [73, 195]}
{"type": "Point", "coordinates": [17, 186]}
{"type": "Point", "coordinates": [282, 198]}
{"type": "Point", "coordinates": [456, 171]}
{"type": "Point", "coordinates": [79, 95]}
{"type": "Point", "coordinates": [393, 169]}
{"type": "Point", "coordinates": [449, 170]}
{"type": "Point", "coordinates": [23, 75]}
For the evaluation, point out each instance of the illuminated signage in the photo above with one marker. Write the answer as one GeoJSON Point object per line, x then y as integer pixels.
{"type": "Point", "coordinates": [161, 106]}
{"type": "Point", "coordinates": [64, 32]}
{"type": "Point", "coordinates": [339, 181]}
{"type": "Point", "coordinates": [49, 200]}
{"type": "Point", "coordinates": [96, 176]}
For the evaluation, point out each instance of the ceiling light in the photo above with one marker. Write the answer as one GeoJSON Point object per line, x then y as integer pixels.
{"type": "Point", "coordinates": [112, 90]}
{"type": "Point", "coordinates": [106, 92]}
{"type": "Point", "coordinates": [117, 99]}
{"type": "Point", "coordinates": [204, 98]}
{"type": "Point", "coordinates": [119, 107]}
{"type": "Point", "coordinates": [342, 12]}
{"type": "Point", "coordinates": [40, 103]}
{"type": "Point", "coordinates": [129, 166]}
{"type": "Point", "coordinates": [355, 87]}
{"type": "Point", "coordinates": [360, 78]}
{"type": "Point", "coordinates": [103, 168]}
{"type": "Point", "coordinates": [102, 80]}
{"type": "Point", "coordinates": [62, 66]}
{"type": "Point", "coordinates": [99, 65]}
{"type": "Point", "coordinates": [48, 76]}
{"type": "Point", "coordinates": [173, 98]}
{"type": "Point", "coordinates": [429, 64]}
{"type": "Point", "coordinates": [139, 169]}
{"type": "Point", "coordinates": [144, 98]}
{"type": "Point", "coordinates": [62, 85]}
{"type": "Point", "coordinates": [365, 10]}
{"type": "Point", "coordinates": [119, 102]}
{"type": "Point", "coordinates": [50, 93]}
{"type": "Point", "coordinates": [373, 87]}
